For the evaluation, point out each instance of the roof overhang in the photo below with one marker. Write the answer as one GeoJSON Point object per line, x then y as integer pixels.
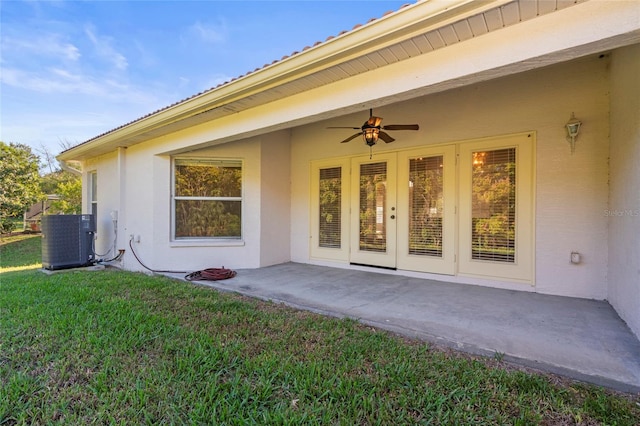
{"type": "Point", "coordinates": [417, 30]}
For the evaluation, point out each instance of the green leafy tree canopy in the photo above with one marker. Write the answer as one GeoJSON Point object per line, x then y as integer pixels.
{"type": "Point", "coordinates": [19, 179]}
{"type": "Point", "coordinates": [68, 187]}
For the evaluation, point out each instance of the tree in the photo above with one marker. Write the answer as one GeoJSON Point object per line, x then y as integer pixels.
{"type": "Point", "coordinates": [48, 158]}
{"type": "Point", "coordinates": [19, 180]}
{"type": "Point", "coordinates": [70, 201]}
{"type": "Point", "coordinates": [68, 187]}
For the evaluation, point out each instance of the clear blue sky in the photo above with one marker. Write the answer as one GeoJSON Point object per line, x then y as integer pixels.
{"type": "Point", "coordinates": [71, 70]}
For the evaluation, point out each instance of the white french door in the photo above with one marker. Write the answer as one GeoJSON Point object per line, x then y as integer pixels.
{"type": "Point", "coordinates": [403, 210]}
{"type": "Point", "coordinates": [373, 210]}
{"type": "Point", "coordinates": [426, 219]}
{"type": "Point", "coordinates": [459, 209]}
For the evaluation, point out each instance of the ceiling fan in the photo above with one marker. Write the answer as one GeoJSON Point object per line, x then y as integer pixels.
{"type": "Point", "coordinates": [371, 130]}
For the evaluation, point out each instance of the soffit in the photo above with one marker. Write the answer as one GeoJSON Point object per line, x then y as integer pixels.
{"type": "Point", "coordinates": [446, 31]}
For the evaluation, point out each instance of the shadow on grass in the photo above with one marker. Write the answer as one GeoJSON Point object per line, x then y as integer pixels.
{"type": "Point", "coordinates": [20, 251]}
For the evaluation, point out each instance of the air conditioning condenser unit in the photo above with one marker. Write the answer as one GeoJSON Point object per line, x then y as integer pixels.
{"type": "Point", "coordinates": [67, 241]}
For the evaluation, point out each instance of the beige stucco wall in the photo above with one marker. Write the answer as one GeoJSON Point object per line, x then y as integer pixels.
{"type": "Point", "coordinates": [571, 190]}
{"type": "Point", "coordinates": [275, 196]}
{"type": "Point", "coordinates": [144, 204]}
{"type": "Point", "coordinates": [106, 168]}
{"type": "Point", "coordinates": [575, 209]}
{"type": "Point", "coordinates": [623, 213]}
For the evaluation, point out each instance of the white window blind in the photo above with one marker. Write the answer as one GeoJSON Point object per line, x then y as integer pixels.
{"type": "Point", "coordinates": [330, 201]}
{"type": "Point", "coordinates": [426, 206]}
{"type": "Point", "coordinates": [373, 187]}
{"type": "Point", "coordinates": [494, 205]}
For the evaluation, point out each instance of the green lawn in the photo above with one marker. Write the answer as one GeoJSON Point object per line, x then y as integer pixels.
{"type": "Point", "coordinates": [20, 251]}
{"type": "Point", "coordinates": [119, 347]}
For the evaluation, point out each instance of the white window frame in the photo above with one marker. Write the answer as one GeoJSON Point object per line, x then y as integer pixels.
{"type": "Point", "coordinates": [207, 240]}
{"type": "Point", "coordinates": [92, 193]}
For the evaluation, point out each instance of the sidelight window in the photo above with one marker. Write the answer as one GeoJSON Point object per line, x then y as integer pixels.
{"type": "Point", "coordinates": [330, 207]}
{"type": "Point", "coordinates": [493, 189]}
{"type": "Point", "coordinates": [497, 207]}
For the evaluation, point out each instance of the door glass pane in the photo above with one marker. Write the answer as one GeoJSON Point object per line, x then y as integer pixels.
{"type": "Point", "coordinates": [330, 201]}
{"type": "Point", "coordinates": [494, 205]}
{"type": "Point", "coordinates": [373, 194]}
{"type": "Point", "coordinates": [426, 206]}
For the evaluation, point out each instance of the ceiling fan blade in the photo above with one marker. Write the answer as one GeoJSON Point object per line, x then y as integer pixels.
{"type": "Point", "coordinates": [351, 137]}
{"type": "Point", "coordinates": [401, 127]}
{"type": "Point", "coordinates": [385, 137]}
{"type": "Point", "coordinates": [354, 128]}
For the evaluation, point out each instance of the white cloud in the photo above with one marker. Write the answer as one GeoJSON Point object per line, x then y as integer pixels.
{"type": "Point", "coordinates": [68, 124]}
{"type": "Point", "coordinates": [54, 80]}
{"type": "Point", "coordinates": [209, 33]}
{"type": "Point", "coordinates": [61, 81]}
{"type": "Point", "coordinates": [105, 50]}
{"type": "Point", "coordinates": [48, 45]}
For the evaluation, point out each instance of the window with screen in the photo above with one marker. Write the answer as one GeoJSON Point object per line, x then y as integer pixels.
{"type": "Point", "coordinates": [207, 199]}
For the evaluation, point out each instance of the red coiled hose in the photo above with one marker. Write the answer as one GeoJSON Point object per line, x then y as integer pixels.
{"type": "Point", "coordinates": [211, 274]}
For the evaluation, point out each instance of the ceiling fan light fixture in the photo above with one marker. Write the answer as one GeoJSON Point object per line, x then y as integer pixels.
{"type": "Point", "coordinates": [370, 135]}
{"type": "Point", "coordinates": [372, 130]}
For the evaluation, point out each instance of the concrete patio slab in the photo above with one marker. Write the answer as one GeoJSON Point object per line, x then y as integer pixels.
{"type": "Point", "coordinates": [579, 338]}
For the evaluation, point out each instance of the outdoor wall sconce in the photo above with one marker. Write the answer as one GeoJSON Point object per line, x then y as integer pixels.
{"type": "Point", "coordinates": [573, 128]}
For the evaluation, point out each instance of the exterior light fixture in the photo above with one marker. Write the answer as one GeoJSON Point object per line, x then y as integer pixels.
{"type": "Point", "coordinates": [370, 134]}
{"type": "Point", "coordinates": [573, 128]}
{"type": "Point", "coordinates": [372, 130]}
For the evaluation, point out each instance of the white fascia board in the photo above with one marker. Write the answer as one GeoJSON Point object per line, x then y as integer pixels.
{"type": "Point", "coordinates": [417, 18]}
{"type": "Point", "coordinates": [570, 28]}
{"type": "Point", "coordinates": [518, 48]}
